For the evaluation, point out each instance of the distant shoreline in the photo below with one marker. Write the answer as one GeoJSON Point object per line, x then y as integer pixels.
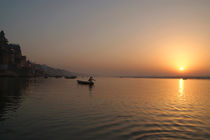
{"type": "Point", "coordinates": [13, 75]}
{"type": "Point", "coordinates": [169, 77]}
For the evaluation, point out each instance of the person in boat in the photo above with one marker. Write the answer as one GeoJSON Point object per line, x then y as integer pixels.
{"type": "Point", "coordinates": [91, 79]}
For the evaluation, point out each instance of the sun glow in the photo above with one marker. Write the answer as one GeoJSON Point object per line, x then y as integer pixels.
{"type": "Point", "coordinates": [181, 69]}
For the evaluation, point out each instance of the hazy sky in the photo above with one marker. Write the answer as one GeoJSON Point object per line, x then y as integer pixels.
{"type": "Point", "coordinates": [130, 37]}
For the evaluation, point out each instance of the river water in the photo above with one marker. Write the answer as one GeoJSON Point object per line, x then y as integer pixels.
{"type": "Point", "coordinates": [112, 109]}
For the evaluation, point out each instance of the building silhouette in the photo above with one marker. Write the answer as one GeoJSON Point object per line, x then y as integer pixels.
{"type": "Point", "coordinates": [12, 62]}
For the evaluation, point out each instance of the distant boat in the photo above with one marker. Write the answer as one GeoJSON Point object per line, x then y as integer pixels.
{"type": "Point", "coordinates": [70, 77]}
{"type": "Point", "coordinates": [57, 76]}
{"type": "Point", "coordinates": [85, 82]}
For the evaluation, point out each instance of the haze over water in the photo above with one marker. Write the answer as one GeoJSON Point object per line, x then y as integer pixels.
{"type": "Point", "coordinates": [106, 37]}
{"type": "Point", "coordinates": [115, 108]}
{"type": "Point", "coordinates": [126, 38]}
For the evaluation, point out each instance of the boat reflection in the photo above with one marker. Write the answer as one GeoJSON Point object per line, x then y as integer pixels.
{"type": "Point", "coordinates": [90, 87]}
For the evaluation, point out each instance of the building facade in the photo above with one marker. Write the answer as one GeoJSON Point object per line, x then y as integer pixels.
{"type": "Point", "coordinates": [10, 55]}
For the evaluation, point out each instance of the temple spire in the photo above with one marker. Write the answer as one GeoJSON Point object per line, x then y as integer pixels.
{"type": "Point", "coordinates": [3, 39]}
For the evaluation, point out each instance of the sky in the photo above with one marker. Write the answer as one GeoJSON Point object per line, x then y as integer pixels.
{"type": "Point", "coordinates": [112, 37]}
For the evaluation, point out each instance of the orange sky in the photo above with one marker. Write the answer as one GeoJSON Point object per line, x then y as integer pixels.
{"type": "Point", "coordinates": [154, 37]}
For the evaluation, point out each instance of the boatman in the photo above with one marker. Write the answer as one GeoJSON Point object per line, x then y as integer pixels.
{"type": "Point", "coordinates": [91, 79]}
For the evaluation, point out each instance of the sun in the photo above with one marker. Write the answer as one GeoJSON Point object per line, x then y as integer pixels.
{"type": "Point", "coordinates": [181, 68]}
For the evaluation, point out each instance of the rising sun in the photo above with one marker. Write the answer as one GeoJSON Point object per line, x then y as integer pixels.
{"type": "Point", "coordinates": [181, 68]}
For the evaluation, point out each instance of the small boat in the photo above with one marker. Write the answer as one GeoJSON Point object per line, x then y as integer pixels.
{"type": "Point", "coordinates": [70, 77]}
{"type": "Point", "coordinates": [85, 82]}
{"type": "Point", "coordinates": [58, 76]}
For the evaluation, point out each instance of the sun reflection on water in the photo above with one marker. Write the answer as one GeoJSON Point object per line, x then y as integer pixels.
{"type": "Point", "coordinates": [181, 87]}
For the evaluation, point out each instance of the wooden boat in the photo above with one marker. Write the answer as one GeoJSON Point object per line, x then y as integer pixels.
{"type": "Point", "coordinates": [70, 77]}
{"type": "Point", "coordinates": [58, 76]}
{"type": "Point", "coordinates": [85, 82]}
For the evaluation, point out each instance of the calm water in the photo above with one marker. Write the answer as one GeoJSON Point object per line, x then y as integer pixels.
{"type": "Point", "coordinates": [115, 108]}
